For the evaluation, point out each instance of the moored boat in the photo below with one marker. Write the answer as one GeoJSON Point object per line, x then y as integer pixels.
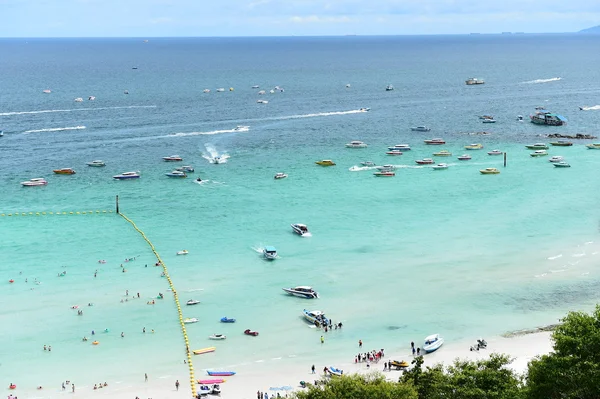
{"type": "Point", "coordinates": [537, 146]}
{"type": "Point", "coordinates": [556, 158]}
{"type": "Point", "coordinates": [270, 253]}
{"type": "Point", "coordinates": [325, 162]}
{"type": "Point", "coordinates": [127, 175]}
{"type": "Point", "coordinates": [186, 169]}
{"type": "Point", "coordinates": [302, 291]}
{"type": "Point", "coordinates": [280, 175]}
{"type": "Point", "coordinates": [420, 128]}
{"type": "Point", "coordinates": [495, 152]}
{"type": "Point", "coordinates": [356, 144]}
{"type": "Point", "coordinates": [400, 147]}
{"type": "Point", "coordinates": [476, 146]}
{"type": "Point", "coordinates": [593, 146]}
{"type": "Point", "coordinates": [38, 181]}
{"type": "Point", "coordinates": [173, 158]}
{"type": "Point", "coordinates": [489, 171]}
{"type": "Point", "coordinates": [425, 161]}
{"type": "Point", "coordinates": [192, 302]}
{"type": "Point", "coordinates": [190, 320]}
{"type": "Point", "coordinates": [394, 152]}
{"type": "Point", "coordinates": [543, 117]}
{"type": "Point", "coordinates": [220, 373]}
{"type": "Point", "coordinates": [434, 141]}
{"type": "Point", "coordinates": [64, 171]}
{"type": "Point", "coordinates": [561, 143]}
{"type": "Point", "coordinates": [474, 81]}
{"type": "Point", "coordinates": [226, 319]}
{"type": "Point", "coordinates": [176, 174]}
{"type": "Point", "coordinates": [539, 153]}
{"type": "Point", "coordinates": [217, 337]}
{"type": "Point", "coordinates": [464, 157]}
{"type": "Point", "coordinates": [489, 120]}
{"type": "Point", "coordinates": [97, 163]}
{"type": "Point", "coordinates": [384, 173]}
{"type": "Point", "coordinates": [562, 164]}
{"type": "Point", "coordinates": [389, 88]}
{"type": "Point", "coordinates": [432, 343]}
{"type": "Point", "coordinates": [250, 332]}
{"type": "Point", "coordinates": [182, 252]}
{"type": "Point", "coordinates": [442, 153]}
{"type": "Point", "coordinates": [300, 229]}
{"type": "Point", "coordinates": [315, 316]}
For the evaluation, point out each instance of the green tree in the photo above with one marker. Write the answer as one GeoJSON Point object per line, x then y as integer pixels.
{"type": "Point", "coordinates": [572, 371]}
{"type": "Point", "coordinates": [481, 379]}
{"type": "Point", "coordinates": [356, 386]}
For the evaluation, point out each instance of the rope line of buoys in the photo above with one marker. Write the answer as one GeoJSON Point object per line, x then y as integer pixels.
{"type": "Point", "coordinates": [57, 213]}
{"type": "Point", "coordinates": [183, 330]}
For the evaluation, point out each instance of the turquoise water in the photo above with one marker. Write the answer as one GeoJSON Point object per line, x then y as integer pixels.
{"type": "Point", "coordinates": [394, 259]}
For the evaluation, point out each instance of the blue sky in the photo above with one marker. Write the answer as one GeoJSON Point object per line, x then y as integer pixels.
{"type": "Point", "coordinates": [154, 18]}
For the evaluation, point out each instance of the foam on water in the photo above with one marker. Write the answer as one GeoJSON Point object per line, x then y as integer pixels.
{"type": "Point", "coordinates": [54, 129]}
{"type": "Point", "coordinates": [542, 81]}
{"type": "Point", "coordinates": [72, 110]}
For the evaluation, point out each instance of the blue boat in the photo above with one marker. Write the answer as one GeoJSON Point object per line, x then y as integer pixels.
{"type": "Point", "coordinates": [227, 320]}
{"type": "Point", "coordinates": [176, 173]}
{"type": "Point", "coordinates": [220, 373]}
{"type": "Point", "coordinates": [315, 317]}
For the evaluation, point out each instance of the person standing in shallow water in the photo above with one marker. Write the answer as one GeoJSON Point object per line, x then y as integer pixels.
{"type": "Point", "coordinates": [177, 385]}
{"type": "Point", "coordinates": [313, 368]}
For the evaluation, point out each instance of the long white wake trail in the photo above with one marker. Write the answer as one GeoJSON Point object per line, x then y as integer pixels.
{"type": "Point", "coordinates": [54, 129]}
{"type": "Point", "coordinates": [542, 81]}
{"type": "Point", "coordinates": [592, 108]}
{"type": "Point", "coordinates": [46, 111]}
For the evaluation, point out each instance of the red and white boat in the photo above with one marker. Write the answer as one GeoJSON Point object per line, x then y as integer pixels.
{"type": "Point", "coordinates": [173, 158]}
{"type": "Point", "coordinates": [425, 161]}
{"type": "Point", "coordinates": [435, 141]}
{"type": "Point", "coordinates": [394, 152]}
{"type": "Point", "coordinates": [384, 173]}
{"type": "Point", "coordinates": [250, 332]}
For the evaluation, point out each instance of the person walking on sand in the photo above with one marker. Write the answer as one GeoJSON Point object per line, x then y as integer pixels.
{"type": "Point", "coordinates": [177, 385]}
{"type": "Point", "coordinates": [313, 369]}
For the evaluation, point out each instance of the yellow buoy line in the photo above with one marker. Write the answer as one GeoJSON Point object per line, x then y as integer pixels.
{"type": "Point", "coordinates": [183, 330]}
{"type": "Point", "coordinates": [55, 213]}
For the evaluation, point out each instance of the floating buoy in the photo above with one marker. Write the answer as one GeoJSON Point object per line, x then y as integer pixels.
{"type": "Point", "coordinates": [12, 386]}
{"type": "Point", "coordinates": [11, 281]}
{"type": "Point", "coordinates": [95, 343]}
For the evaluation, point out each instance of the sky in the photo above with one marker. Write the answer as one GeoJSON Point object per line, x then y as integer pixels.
{"type": "Point", "coordinates": [158, 18]}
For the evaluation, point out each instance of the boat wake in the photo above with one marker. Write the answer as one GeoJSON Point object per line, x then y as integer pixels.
{"type": "Point", "coordinates": [542, 81]}
{"type": "Point", "coordinates": [555, 257]}
{"type": "Point", "coordinates": [55, 129]}
{"type": "Point", "coordinates": [239, 129]}
{"type": "Point", "coordinates": [73, 110]}
{"type": "Point", "coordinates": [357, 168]}
{"type": "Point", "coordinates": [593, 108]}
{"type": "Point", "coordinates": [314, 115]}
{"type": "Point", "coordinates": [211, 155]}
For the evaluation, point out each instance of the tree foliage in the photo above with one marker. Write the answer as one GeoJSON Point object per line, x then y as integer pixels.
{"type": "Point", "coordinates": [356, 386]}
{"type": "Point", "coordinates": [573, 369]}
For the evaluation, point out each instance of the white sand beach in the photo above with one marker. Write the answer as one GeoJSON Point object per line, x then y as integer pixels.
{"type": "Point", "coordinates": [263, 378]}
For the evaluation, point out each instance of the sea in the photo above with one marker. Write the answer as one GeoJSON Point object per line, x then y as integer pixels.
{"type": "Point", "coordinates": [394, 259]}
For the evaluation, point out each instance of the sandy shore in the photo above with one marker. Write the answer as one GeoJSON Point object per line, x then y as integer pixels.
{"type": "Point", "coordinates": [262, 377]}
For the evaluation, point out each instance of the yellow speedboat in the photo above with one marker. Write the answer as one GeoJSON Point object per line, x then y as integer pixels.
{"type": "Point", "coordinates": [325, 162]}
{"type": "Point", "coordinates": [489, 171]}
{"type": "Point", "coordinates": [399, 365]}
{"type": "Point", "coordinates": [477, 146]}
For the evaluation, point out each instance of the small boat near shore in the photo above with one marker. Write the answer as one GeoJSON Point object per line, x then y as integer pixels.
{"type": "Point", "coordinates": [176, 174]}
{"type": "Point", "coordinates": [182, 252]}
{"type": "Point", "coordinates": [464, 157]}
{"type": "Point", "coordinates": [400, 147]}
{"type": "Point", "coordinates": [386, 167]}
{"type": "Point", "coordinates": [476, 146]}
{"type": "Point", "coordinates": [556, 158]}
{"type": "Point", "coordinates": [227, 320]}
{"type": "Point", "coordinates": [213, 381]}
{"type": "Point", "coordinates": [315, 317]}
{"type": "Point", "coordinates": [220, 373]}
{"type": "Point", "coordinates": [539, 153]}
{"type": "Point", "coordinates": [432, 343]}
{"type": "Point", "coordinates": [561, 164]}
{"type": "Point", "coordinates": [434, 141]}
{"type": "Point", "coordinates": [474, 81]}
{"type": "Point", "coordinates": [356, 144]}
{"type": "Point", "coordinates": [172, 158]}
{"type": "Point", "coordinates": [192, 302]}
{"type": "Point", "coordinates": [127, 176]}
{"type": "Point", "coordinates": [384, 173]}
{"type": "Point", "coordinates": [420, 128]}
{"type": "Point", "coordinates": [443, 153]}
{"type": "Point", "coordinates": [561, 143]}
{"type": "Point", "coordinates": [593, 146]}
{"type": "Point", "coordinates": [96, 164]}
{"type": "Point", "coordinates": [302, 291]}
{"type": "Point", "coordinates": [495, 152]}
{"type": "Point", "coordinates": [251, 333]}
{"type": "Point", "coordinates": [325, 162]}
{"type": "Point", "coordinates": [280, 175]}
{"type": "Point", "coordinates": [204, 350]}
{"type": "Point", "coordinates": [300, 229]}
{"type": "Point", "coordinates": [186, 169]}
{"type": "Point", "coordinates": [217, 337]}
{"type": "Point", "coordinates": [190, 320]}
{"type": "Point", "coordinates": [489, 171]}
{"type": "Point", "coordinates": [367, 163]}
{"type": "Point", "coordinates": [394, 152]}
{"type": "Point", "coordinates": [537, 146]}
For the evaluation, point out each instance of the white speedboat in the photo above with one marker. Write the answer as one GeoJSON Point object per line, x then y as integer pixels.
{"type": "Point", "coordinates": [386, 167]}
{"type": "Point", "coordinates": [262, 92]}
{"type": "Point", "coordinates": [280, 175]}
{"type": "Point", "coordinates": [217, 336]}
{"type": "Point", "coordinates": [302, 292]}
{"type": "Point", "coordinates": [172, 158]}
{"type": "Point", "coordinates": [176, 174]}
{"type": "Point", "coordinates": [537, 146]}
{"type": "Point", "coordinates": [432, 343]}
{"type": "Point", "coordinates": [474, 81]}
{"type": "Point", "coordinates": [97, 163]}
{"type": "Point", "coordinates": [182, 252]}
{"type": "Point", "coordinates": [192, 302]}
{"type": "Point", "coordinates": [241, 127]}
{"type": "Point", "coordinates": [425, 161]}
{"type": "Point", "coordinates": [367, 163]}
{"type": "Point", "coordinates": [495, 152]}
{"type": "Point", "coordinates": [206, 91]}
{"type": "Point", "coordinates": [47, 91]}
{"type": "Point", "coordinates": [78, 100]}
{"type": "Point", "coordinates": [356, 144]}
{"type": "Point", "coordinates": [389, 88]}
{"type": "Point", "coordinates": [190, 321]}
{"type": "Point", "coordinates": [440, 166]}
{"type": "Point", "coordinates": [91, 98]}
{"type": "Point", "coordinates": [186, 169]}
{"type": "Point", "coordinates": [464, 157]}
{"type": "Point", "coordinates": [255, 86]}
{"type": "Point", "coordinates": [556, 158]}
{"type": "Point", "coordinates": [127, 175]}
{"type": "Point", "coordinates": [220, 90]}
{"type": "Point", "coordinates": [300, 229]}
{"type": "Point", "coordinates": [400, 147]}
{"type": "Point", "coordinates": [561, 164]}
{"type": "Point", "coordinates": [262, 101]}
{"type": "Point", "coordinates": [489, 121]}
{"type": "Point", "coordinates": [420, 128]}
{"type": "Point", "coordinates": [364, 109]}
{"type": "Point", "coordinates": [38, 181]}
{"type": "Point", "coordinates": [270, 253]}
{"type": "Point", "coordinates": [217, 160]}
{"type": "Point", "coordinates": [315, 316]}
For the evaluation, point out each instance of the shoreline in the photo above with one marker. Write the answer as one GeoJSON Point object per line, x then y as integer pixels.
{"type": "Point", "coordinates": [521, 347]}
